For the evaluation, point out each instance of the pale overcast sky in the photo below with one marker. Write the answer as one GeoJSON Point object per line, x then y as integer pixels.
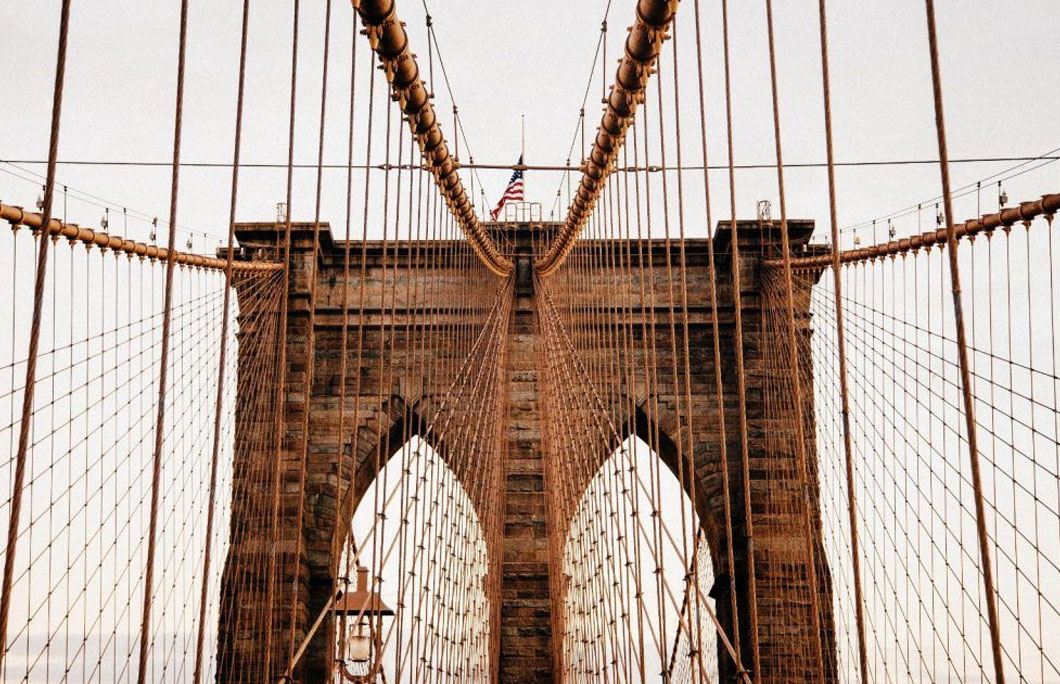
{"type": "Point", "coordinates": [506, 59]}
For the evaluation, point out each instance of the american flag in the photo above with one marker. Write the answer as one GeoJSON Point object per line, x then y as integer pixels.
{"type": "Point", "coordinates": [513, 193]}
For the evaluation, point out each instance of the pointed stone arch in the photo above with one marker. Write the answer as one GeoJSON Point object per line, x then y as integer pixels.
{"type": "Point", "coordinates": [524, 570]}
{"type": "Point", "coordinates": [631, 502]}
{"type": "Point", "coordinates": [382, 437]}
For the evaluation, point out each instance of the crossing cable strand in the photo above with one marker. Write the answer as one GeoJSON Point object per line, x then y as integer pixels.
{"type": "Point", "coordinates": [342, 522]}
{"type": "Point", "coordinates": [962, 353]}
{"type": "Point", "coordinates": [641, 52]}
{"type": "Point", "coordinates": [679, 396]}
{"type": "Point", "coordinates": [412, 300]}
{"type": "Point", "coordinates": [34, 332]}
{"type": "Point", "coordinates": [631, 370]}
{"type": "Point", "coordinates": [672, 324]}
{"type": "Point", "coordinates": [389, 39]}
{"type": "Point", "coordinates": [653, 388]}
{"type": "Point", "coordinates": [648, 328]}
{"type": "Point", "coordinates": [623, 400]}
{"type": "Point", "coordinates": [382, 397]}
{"type": "Point", "coordinates": [160, 421]}
{"type": "Point", "coordinates": [607, 431]}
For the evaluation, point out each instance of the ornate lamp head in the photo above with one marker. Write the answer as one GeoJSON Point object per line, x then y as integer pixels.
{"type": "Point", "coordinates": [360, 643]}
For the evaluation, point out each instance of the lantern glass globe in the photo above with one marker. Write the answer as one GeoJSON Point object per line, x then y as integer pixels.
{"type": "Point", "coordinates": [359, 648]}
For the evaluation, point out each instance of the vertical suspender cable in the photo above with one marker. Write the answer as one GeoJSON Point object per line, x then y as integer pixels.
{"type": "Point", "coordinates": [712, 291]}
{"type": "Point", "coordinates": [344, 521]}
{"type": "Point", "coordinates": [796, 379]}
{"type": "Point", "coordinates": [345, 336]}
{"type": "Point", "coordinates": [167, 311]}
{"type": "Point", "coordinates": [310, 345]}
{"type": "Point", "coordinates": [34, 334]}
{"type": "Point", "coordinates": [222, 355]}
{"type": "Point", "coordinates": [642, 48]}
{"type": "Point", "coordinates": [683, 269]}
{"type": "Point", "coordinates": [281, 371]}
{"type": "Point", "coordinates": [962, 353]}
{"type": "Point", "coordinates": [859, 611]}
{"type": "Point", "coordinates": [741, 375]}
{"type": "Point", "coordinates": [387, 35]}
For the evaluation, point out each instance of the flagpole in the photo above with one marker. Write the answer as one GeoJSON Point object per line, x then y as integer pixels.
{"type": "Point", "coordinates": [522, 154]}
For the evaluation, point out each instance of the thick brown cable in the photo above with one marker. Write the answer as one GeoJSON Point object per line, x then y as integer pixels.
{"type": "Point", "coordinates": [163, 365]}
{"type": "Point", "coordinates": [855, 552]}
{"type": "Point", "coordinates": [622, 392]}
{"type": "Point", "coordinates": [388, 38]}
{"type": "Point", "coordinates": [413, 302]}
{"type": "Point", "coordinates": [310, 344]}
{"type": "Point", "coordinates": [686, 482]}
{"type": "Point", "coordinates": [281, 384]}
{"type": "Point", "coordinates": [648, 327]}
{"type": "Point", "coordinates": [629, 344]}
{"type": "Point", "coordinates": [962, 355]}
{"type": "Point", "coordinates": [686, 347]}
{"type": "Point", "coordinates": [1046, 206]}
{"type": "Point", "coordinates": [17, 216]}
{"type": "Point", "coordinates": [652, 398]}
{"type": "Point", "coordinates": [692, 583]}
{"type": "Point", "coordinates": [796, 371]}
{"type": "Point", "coordinates": [382, 398]}
{"type": "Point", "coordinates": [603, 265]}
{"type": "Point", "coordinates": [34, 335]}
{"type": "Point", "coordinates": [345, 332]}
{"type": "Point", "coordinates": [620, 374]}
{"type": "Point", "coordinates": [343, 521]}
{"type": "Point", "coordinates": [222, 355]}
{"type": "Point", "coordinates": [712, 292]}
{"type": "Point", "coordinates": [741, 375]}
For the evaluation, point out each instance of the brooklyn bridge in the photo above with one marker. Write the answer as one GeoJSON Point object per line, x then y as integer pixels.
{"type": "Point", "coordinates": [650, 427]}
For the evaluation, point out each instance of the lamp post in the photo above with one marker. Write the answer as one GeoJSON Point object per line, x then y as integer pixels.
{"type": "Point", "coordinates": [360, 642]}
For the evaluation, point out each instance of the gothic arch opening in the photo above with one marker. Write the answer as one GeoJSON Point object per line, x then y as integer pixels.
{"type": "Point", "coordinates": [417, 533]}
{"type": "Point", "coordinates": [634, 534]}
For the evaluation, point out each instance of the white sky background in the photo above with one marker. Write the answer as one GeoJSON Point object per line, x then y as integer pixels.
{"type": "Point", "coordinates": [510, 58]}
{"type": "Point", "coordinates": [448, 496]}
{"type": "Point", "coordinates": [506, 59]}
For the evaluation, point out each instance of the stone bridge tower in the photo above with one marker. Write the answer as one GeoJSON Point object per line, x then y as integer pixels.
{"type": "Point", "coordinates": [525, 638]}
